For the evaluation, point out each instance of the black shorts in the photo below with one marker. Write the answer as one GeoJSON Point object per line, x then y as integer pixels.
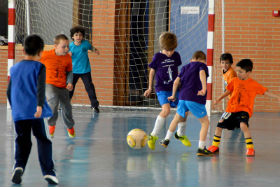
{"type": "Point", "coordinates": [233, 120]}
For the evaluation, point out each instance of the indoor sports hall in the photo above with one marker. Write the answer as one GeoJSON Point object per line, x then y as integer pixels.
{"type": "Point", "coordinates": [126, 33]}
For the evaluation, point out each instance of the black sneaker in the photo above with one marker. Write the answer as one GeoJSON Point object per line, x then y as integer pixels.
{"type": "Point", "coordinates": [203, 152]}
{"type": "Point", "coordinates": [96, 109]}
{"type": "Point", "coordinates": [164, 143]}
{"type": "Point", "coordinates": [17, 174]}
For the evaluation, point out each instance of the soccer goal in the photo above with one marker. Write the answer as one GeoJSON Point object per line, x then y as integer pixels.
{"type": "Point", "coordinates": [126, 33]}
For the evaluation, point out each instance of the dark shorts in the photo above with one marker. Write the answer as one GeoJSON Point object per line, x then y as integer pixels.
{"type": "Point", "coordinates": [233, 120]}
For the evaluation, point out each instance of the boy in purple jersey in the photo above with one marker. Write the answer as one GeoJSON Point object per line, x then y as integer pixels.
{"type": "Point", "coordinates": [192, 98]}
{"type": "Point", "coordinates": [165, 69]}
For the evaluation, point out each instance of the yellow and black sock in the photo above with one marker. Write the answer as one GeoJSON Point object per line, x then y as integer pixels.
{"type": "Point", "coordinates": [216, 140]}
{"type": "Point", "coordinates": [249, 143]}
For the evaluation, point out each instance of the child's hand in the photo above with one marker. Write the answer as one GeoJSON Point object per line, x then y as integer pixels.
{"type": "Point", "coordinates": [171, 98]}
{"type": "Point", "coordinates": [216, 102]}
{"type": "Point", "coordinates": [147, 92]}
{"type": "Point", "coordinates": [38, 113]}
{"type": "Point", "coordinates": [201, 92]}
{"type": "Point", "coordinates": [70, 53]}
{"type": "Point", "coordinates": [97, 51]}
{"type": "Point", "coordinates": [69, 87]}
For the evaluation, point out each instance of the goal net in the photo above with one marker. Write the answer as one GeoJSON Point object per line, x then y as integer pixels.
{"type": "Point", "coordinates": [126, 33]}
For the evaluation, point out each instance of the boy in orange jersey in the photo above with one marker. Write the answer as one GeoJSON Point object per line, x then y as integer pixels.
{"type": "Point", "coordinates": [226, 63]}
{"type": "Point", "coordinates": [59, 79]}
{"type": "Point", "coordinates": [243, 90]}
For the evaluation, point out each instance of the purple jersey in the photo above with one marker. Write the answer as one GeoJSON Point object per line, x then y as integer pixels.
{"type": "Point", "coordinates": [190, 82]}
{"type": "Point", "coordinates": [166, 69]}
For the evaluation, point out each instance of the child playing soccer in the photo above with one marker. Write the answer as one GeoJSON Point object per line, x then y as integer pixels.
{"type": "Point", "coordinates": [226, 63]}
{"type": "Point", "coordinates": [243, 90]}
{"type": "Point", "coordinates": [59, 82]}
{"type": "Point", "coordinates": [165, 69]}
{"type": "Point", "coordinates": [26, 94]}
{"type": "Point", "coordinates": [81, 65]}
{"type": "Point", "coordinates": [192, 98]}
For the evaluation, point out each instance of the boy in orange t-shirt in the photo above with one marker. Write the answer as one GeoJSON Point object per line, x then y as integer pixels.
{"type": "Point", "coordinates": [59, 78]}
{"type": "Point", "coordinates": [243, 92]}
{"type": "Point", "coordinates": [226, 61]}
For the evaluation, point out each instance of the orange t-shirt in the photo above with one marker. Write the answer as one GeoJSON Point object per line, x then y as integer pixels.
{"type": "Point", "coordinates": [56, 68]}
{"type": "Point", "coordinates": [243, 94]}
{"type": "Point", "coordinates": [229, 75]}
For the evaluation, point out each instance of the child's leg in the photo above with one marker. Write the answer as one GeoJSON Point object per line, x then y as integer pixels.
{"type": "Point", "coordinates": [52, 98]}
{"type": "Point", "coordinates": [165, 111]}
{"type": "Point", "coordinates": [75, 80]}
{"type": "Point", "coordinates": [182, 126]}
{"type": "Point", "coordinates": [248, 138]}
{"type": "Point", "coordinates": [89, 86]}
{"type": "Point", "coordinates": [44, 145]}
{"type": "Point", "coordinates": [173, 125]}
{"type": "Point", "coordinates": [203, 131]}
{"type": "Point", "coordinates": [66, 108]}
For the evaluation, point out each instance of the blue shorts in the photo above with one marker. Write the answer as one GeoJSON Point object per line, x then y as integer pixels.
{"type": "Point", "coordinates": [162, 98]}
{"type": "Point", "coordinates": [197, 109]}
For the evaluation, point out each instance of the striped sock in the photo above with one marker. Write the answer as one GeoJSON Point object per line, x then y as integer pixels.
{"type": "Point", "coordinates": [249, 143]}
{"type": "Point", "coordinates": [216, 141]}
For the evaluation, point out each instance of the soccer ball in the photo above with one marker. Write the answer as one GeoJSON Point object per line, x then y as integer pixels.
{"type": "Point", "coordinates": [137, 138]}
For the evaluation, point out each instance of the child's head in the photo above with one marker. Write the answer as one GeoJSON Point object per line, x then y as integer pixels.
{"type": "Point", "coordinates": [61, 45]}
{"type": "Point", "coordinates": [226, 61]}
{"type": "Point", "coordinates": [33, 45]}
{"type": "Point", "coordinates": [244, 68]}
{"type": "Point", "coordinates": [168, 43]}
{"type": "Point", "coordinates": [199, 56]}
{"type": "Point", "coordinates": [77, 33]}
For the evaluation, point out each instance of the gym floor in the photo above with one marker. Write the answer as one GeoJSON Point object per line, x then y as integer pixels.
{"type": "Point", "coordinates": [99, 155]}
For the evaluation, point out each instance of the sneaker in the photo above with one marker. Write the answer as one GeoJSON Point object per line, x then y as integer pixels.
{"type": "Point", "coordinates": [250, 152]}
{"type": "Point", "coordinates": [164, 143]}
{"type": "Point", "coordinates": [17, 174]}
{"type": "Point", "coordinates": [96, 109]}
{"type": "Point", "coordinates": [152, 142]}
{"type": "Point", "coordinates": [71, 132]}
{"type": "Point", "coordinates": [51, 130]}
{"type": "Point", "coordinates": [183, 139]}
{"type": "Point", "coordinates": [213, 149]}
{"type": "Point", "coordinates": [51, 179]}
{"type": "Point", "coordinates": [203, 152]}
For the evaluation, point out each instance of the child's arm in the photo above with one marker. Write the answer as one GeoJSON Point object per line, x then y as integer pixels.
{"type": "Point", "coordinates": [9, 92]}
{"type": "Point", "coordinates": [270, 94]}
{"type": "Point", "coordinates": [176, 84]}
{"type": "Point", "coordinates": [202, 76]}
{"type": "Point", "coordinates": [96, 50]}
{"type": "Point", "coordinates": [69, 81]}
{"type": "Point", "coordinates": [225, 94]}
{"type": "Point", "coordinates": [41, 88]}
{"type": "Point", "coordinates": [151, 78]}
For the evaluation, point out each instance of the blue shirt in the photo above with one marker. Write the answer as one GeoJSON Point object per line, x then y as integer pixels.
{"type": "Point", "coordinates": [23, 87]}
{"type": "Point", "coordinates": [190, 82]}
{"type": "Point", "coordinates": [80, 60]}
{"type": "Point", "coordinates": [166, 69]}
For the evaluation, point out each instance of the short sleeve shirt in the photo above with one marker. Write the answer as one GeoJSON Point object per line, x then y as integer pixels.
{"type": "Point", "coordinates": [80, 58]}
{"type": "Point", "coordinates": [166, 69]}
{"type": "Point", "coordinates": [191, 83]}
{"type": "Point", "coordinates": [243, 95]}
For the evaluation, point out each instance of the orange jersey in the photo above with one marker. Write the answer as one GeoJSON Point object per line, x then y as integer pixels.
{"type": "Point", "coordinates": [56, 68]}
{"type": "Point", "coordinates": [229, 75]}
{"type": "Point", "coordinates": [243, 94]}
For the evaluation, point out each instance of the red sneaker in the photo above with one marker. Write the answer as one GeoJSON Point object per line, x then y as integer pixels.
{"type": "Point", "coordinates": [213, 149]}
{"type": "Point", "coordinates": [51, 130]}
{"type": "Point", "coordinates": [250, 152]}
{"type": "Point", "coordinates": [71, 132]}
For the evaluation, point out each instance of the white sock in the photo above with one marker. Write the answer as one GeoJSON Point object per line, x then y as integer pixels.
{"type": "Point", "coordinates": [158, 125]}
{"type": "Point", "coordinates": [181, 128]}
{"type": "Point", "coordinates": [201, 144]}
{"type": "Point", "coordinates": [168, 135]}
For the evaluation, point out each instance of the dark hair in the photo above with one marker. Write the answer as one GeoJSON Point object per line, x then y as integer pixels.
{"type": "Point", "coordinates": [59, 37]}
{"type": "Point", "coordinates": [77, 29]}
{"type": "Point", "coordinates": [199, 55]}
{"type": "Point", "coordinates": [168, 41]}
{"type": "Point", "coordinates": [245, 64]}
{"type": "Point", "coordinates": [33, 45]}
{"type": "Point", "coordinates": [226, 56]}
